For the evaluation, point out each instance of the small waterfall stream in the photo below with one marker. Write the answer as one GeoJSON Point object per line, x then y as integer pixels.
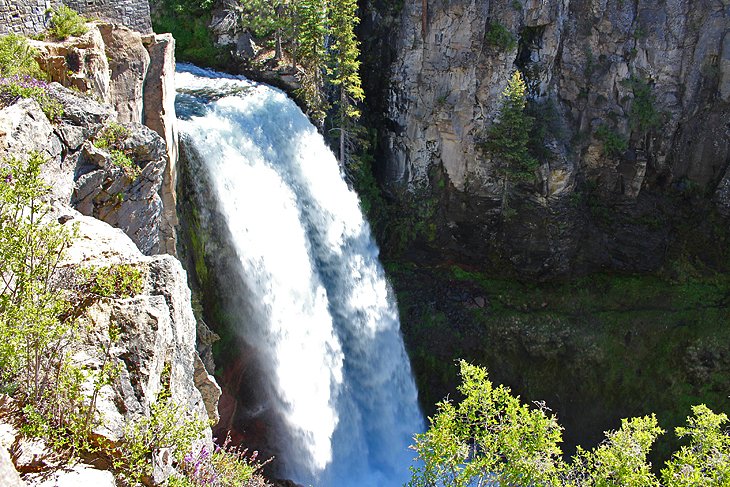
{"type": "Point", "coordinates": [314, 303]}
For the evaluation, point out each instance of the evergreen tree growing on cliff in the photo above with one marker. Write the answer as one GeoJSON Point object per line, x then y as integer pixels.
{"type": "Point", "coordinates": [344, 69]}
{"type": "Point", "coordinates": [508, 138]}
{"type": "Point", "coordinates": [310, 33]}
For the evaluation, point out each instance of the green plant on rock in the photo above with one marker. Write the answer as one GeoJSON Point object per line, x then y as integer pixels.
{"type": "Point", "coordinates": [16, 87]}
{"type": "Point", "coordinates": [614, 144]}
{"type": "Point", "coordinates": [37, 326]}
{"type": "Point", "coordinates": [65, 23]}
{"type": "Point", "coordinates": [499, 36]}
{"type": "Point", "coordinates": [507, 140]}
{"type": "Point", "coordinates": [17, 57]}
{"type": "Point", "coordinates": [112, 281]}
{"type": "Point", "coordinates": [111, 138]}
{"type": "Point", "coordinates": [643, 114]}
{"type": "Point", "coordinates": [32, 329]}
{"type": "Point", "coordinates": [169, 425]}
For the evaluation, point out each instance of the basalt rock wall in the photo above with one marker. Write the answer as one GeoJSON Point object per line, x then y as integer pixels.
{"type": "Point", "coordinates": [632, 98]}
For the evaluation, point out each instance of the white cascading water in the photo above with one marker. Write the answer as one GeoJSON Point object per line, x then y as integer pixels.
{"type": "Point", "coordinates": [323, 317]}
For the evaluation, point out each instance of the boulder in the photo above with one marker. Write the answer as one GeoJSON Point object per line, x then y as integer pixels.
{"type": "Point", "coordinates": [24, 129]}
{"type": "Point", "coordinates": [79, 63]}
{"type": "Point", "coordinates": [74, 476]}
{"type": "Point", "coordinates": [157, 329]}
{"type": "Point", "coordinates": [120, 196]}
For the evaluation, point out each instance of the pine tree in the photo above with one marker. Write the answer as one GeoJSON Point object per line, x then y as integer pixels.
{"type": "Point", "coordinates": [344, 69]}
{"type": "Point", "coordinates": [310, 34]}
{"type": "Point", "coordinates": [508, 139]}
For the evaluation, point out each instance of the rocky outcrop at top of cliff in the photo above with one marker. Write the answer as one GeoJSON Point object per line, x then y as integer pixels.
{"type": "Point", "coordinates": [134, 75]}
{"type": "Point", "coordinates": [633, 98]}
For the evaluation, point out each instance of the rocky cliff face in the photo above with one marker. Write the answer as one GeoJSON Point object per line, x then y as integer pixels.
{"type": "Point", "coordinates": [134, 75]}
{"type": "Point", "coordinates": [652, 79]}
{"type": "Point", "coordinates": [121, 79]}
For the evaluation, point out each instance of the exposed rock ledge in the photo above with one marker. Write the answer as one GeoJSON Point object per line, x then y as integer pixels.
{"type": "Point", "coordinates": [157, 326]}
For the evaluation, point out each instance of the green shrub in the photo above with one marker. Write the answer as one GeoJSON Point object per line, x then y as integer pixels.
{"type": "Point", "coordinates": [614, 144]}
{"type": "Point", "coordinates": [17, 57]}
{"type": "Point", "coordinates": [499, 36]}
{"type": "Point", "coordinates": [111, 138]}
{"type": "Point", "coordinates": [643, 115]}
{"type": "Point", "coordinates": [491, 438]}
{"type": "Point", "coordinates": [112, 281]}
{"type": "Point", "coordinates": [16, 87]}
{"type": "Point", "coordinates": [37, 329]}
{"type": "Point", "coordinates": [65, 23]}
{"type": "Point", "coordinates": [113, 135]}
{"type": "Point", "coordinates": [169, 425]}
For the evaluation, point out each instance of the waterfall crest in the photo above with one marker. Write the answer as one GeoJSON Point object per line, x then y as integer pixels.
{"type": "Point", "coordinates": [308, 289]}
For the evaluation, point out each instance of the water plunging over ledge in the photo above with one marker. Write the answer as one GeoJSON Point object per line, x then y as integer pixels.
{"type": "Point", "coordinates": [304, 283]}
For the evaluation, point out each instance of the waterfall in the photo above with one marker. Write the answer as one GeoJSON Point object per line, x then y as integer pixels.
{"type": "Point", "coordinates": [303, 283]}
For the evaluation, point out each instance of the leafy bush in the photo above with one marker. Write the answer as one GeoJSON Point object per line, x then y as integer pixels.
{"type": "Point", "coordinates": [169, 425]}
{"type": "Point", "coordinates": [111, 138]}
{"type": "Point", "coordinates": [499, 36]}
{"type": "Point", "coordinates": [65, 23]}
{"type": "Point", "coordinates": [36, 328]}
{"type": "Point", "coordinates": [17, 57]}
{"type": "Point", "coordinates": [226, 466]}
{"type": "Point", "coordinates": [113, 135]}
{"type": "Point", "coordinates": [614, 144]}
{"type": "Point", "coordinates": [113, 281]}
{"type": "Point", "coordinates": [16, 87]}
{"type": "Point", "coordinates": [643, 114]}
{"type": "Point", "coordinates": [491, 438]}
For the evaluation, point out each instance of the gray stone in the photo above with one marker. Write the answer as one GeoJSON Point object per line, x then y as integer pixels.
{"type": "Point", "coordinates": [128, 62]}
{"type": "Point", "coordinates": [159, 115]}
{"type": "Point", "coordinates": [209, 390]}
{"type": "Point", "coordinates": [9, 477]}
{"type": "Point", "coordinates": [25, 129]}
{"type": "Point", "coordinates": [80, 110]}
{"type": "Point", "coordinates": [73, 476]}
{"type": "Point", "coordinates": [119, 197]}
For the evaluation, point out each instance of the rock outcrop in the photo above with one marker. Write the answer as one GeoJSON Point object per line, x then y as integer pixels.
{"type": "Point", "coordinates": [653, 78]}
{"type": "Point", "coordinates": [134, 74]}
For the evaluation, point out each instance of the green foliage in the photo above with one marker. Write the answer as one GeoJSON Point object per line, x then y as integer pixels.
{"type": "Point", "coordinates": [16, 87]}
{"type": "Point", "coordinates": [169, 425]}
{"type": "Point", "coordinates": [112, 138]}
{"type": "Point", "coordinates": [643, 115]}
{"type": "Point", "coordinates": [309, 50]}
{"type": "Point", "coordinates": [508, 138]}
{"type": "Point", "coordinates": [490, 437]}
{"type": "Point", "coordinates": [113, 135]}
{"type": "Point", "coordinates": [226, 466]}
{"type": "Point", "coordinates": [65, 23]}
{"type": "Point", "coordinates": [500, 37]}
{"type": "Point", "coordinates": [188, 22]}
{"type": "Point", "coordinates": [37, 327]}
{"type": "Point", "coordinates": [17, 57]}
{"type": "Point", "coordinates": [614, 144]}
{"type": "Point", "coordinates": [706, 460]}
{"type": "Point", "coordinates": [622, 458]}
{"type": "Point", "coordinates": [31, 328]}
{"type": "Point", "coordinates": [112, 281]}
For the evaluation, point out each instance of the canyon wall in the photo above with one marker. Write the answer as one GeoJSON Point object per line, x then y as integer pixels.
{"type": "Point", "coordinates": [632, 99]}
